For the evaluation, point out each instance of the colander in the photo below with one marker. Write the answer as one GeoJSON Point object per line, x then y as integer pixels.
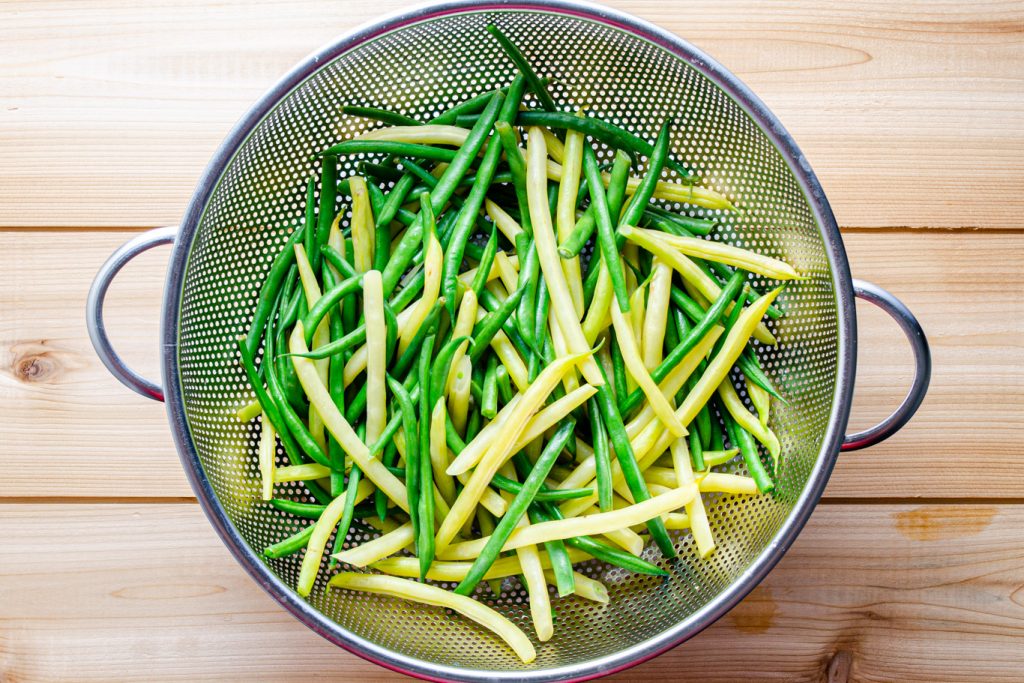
{"type": "Point", "coordinates": [420, 62]}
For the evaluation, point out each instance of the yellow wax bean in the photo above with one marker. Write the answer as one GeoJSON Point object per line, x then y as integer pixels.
{"type": "Point", "coordinates": [432, 595]}
{"type": "Point", "coordinates": [339, 427]}
{"type": "Point", "coordinates": [550, 261]}
{"type": "Point", "coordinates": [383, 546]}
{"type": "Point", "coordinates": [690, 272]}
{"type": "Point", "coordinates": [322, 531]}
{"type": "Point", "coordinates": [720, 365]}
{"type": "Point", "coordinates": [429, 134]}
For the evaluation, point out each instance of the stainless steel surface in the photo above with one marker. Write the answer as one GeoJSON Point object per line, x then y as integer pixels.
{"type": "Point", "coordinates": [419, 63]}
{"type": "Point", "coordinates": [94, 310]}
{"type": "Point", "coordinates": [922, 367]}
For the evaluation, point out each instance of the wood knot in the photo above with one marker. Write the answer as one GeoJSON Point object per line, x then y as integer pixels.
{"type": "Point", "coordinates": [37, 363]}
{"type": "Point", "coordinates": [839, 667]}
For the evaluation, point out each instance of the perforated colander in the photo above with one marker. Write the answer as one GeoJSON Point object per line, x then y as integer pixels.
{"type": "Point", "coordinates": [419, 63]}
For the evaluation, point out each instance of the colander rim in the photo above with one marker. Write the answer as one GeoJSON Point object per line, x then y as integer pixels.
{"type": "Point", "coordinates": [743, 584]}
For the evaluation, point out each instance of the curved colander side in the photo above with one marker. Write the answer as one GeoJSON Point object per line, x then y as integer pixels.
{"type": "Point", "coordinates": [419, 63]}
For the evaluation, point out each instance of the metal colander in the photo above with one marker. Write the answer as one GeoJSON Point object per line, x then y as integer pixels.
{"type": "Point", "coordinates": [420, 63]}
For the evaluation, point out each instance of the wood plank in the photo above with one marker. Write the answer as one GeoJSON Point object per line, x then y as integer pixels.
{"type": "Point", "coordinates": [67, 420]}
{"type": "Point", "coordinates": [880, 592]}
{"type": "Point", "coordinates": [912, 113]}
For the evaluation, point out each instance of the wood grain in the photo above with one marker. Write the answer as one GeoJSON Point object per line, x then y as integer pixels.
{"type": "Point", "coordinates": [67, 420]}
{"type": "Point", "coordinates": [912, 113]}
{"type": "Point", "coordinates": [882, 592]}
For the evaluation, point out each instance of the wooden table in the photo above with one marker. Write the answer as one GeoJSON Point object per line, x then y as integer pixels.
{"type": "Point", "coordinates": [912, 114]}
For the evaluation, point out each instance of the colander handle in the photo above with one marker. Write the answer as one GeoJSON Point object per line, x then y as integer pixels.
{"type": "Point", "coordinates": [922, 367]}
{"type": "Point", "coordinates": [94, 309]}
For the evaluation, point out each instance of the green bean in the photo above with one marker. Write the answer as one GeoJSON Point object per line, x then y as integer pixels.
{"type": "Point", "coordinates": [441, 366]}
{"type": "Point", "coordinates": [412, 449]}
{"type": "Point", "coordinates": [428, 327]}
{"type": "Point", "coordinates": [354, 475]}
{"type": "Point", "coordinates": [586, 225]}
{"type": "Point", "coordinates": [489, 404]}
{"type": "Point", "coordinates": [309, 226]}
{"type": "Point", "coordinates": [291, 420]}
{"type": "Point", "coordinates": [617, 186]}
{"type": "Point", "coordinates": [400, 149]}
{"type": "Point", "coordinates": [600, 550]}
{"type": "Point", "coordinates": [642, 197]}
{"type": "Point", "coordinates": [504, 384]}
{"type": "Point", "coordinates": [605, 231]}
{"type": "Point", "coordinates": [703, 422]}
{"type": "Point", "coordinates": [396, 198]}
{"type": "Point", "coordinates": [383, 115]}
{"type": "Point", "coordinates": [452, 217]}
{"type": "Point", "coordinates": [325, 215]}
{"type": "Point", "coordinates": [377, 201]}
{"type": "Point", "coordinates": [602, 457]}
{"type": "Point", "coordinates": [536, 84]}
{"type": "Point", "coordinates": [410, 289]}
{"type": "Point", "coordinates": [618, 373]}
{"type": "Point", "coordinates": [335, 347]}
{"type": "Point", "coordinates": [698, 226]}
{"type": "Point", "coordinates": [391, 333]}
{"type": "Point", "coordinates": [326, 302]}
{"type": "Point", "coordinates": [380, 500]}
{"type": "Point", "coordinates": [484, 267]}
{"type": "Point", "coordinates": [452, 438]}
{"type": "Point", "coordinates": [516, 509]}
{"type": "Point", "coordinates": [269, 406]}
{"type": "Point", "coordinates": [529, 272]}
{"type": "Point", "coordinates": [290, 545]}
{"type": "Point", "coordinates": [561, 565]}
{"type": "Point", "coordinates": [742, 439]}
{"type": "Point", "coordinates": [724, 271]}
{"type": "Point", "coordinates": [706, 322]}
{"type": "Point", "coordinates": [442, 192]}
{"type": "Point", "coordinates": [751, 368]}
{"type": "Point", "coordinates": [542, 338]}
{"type": "Point", "coordinates": [485, 330]}
{"type": "Point", "coordinates": [474, 201]}
{"type": "Point", "coordinates": [336, 388]}
{"type": "Point", "coordinates": [716, 443]}
{"type": "Point", "coordinates": [729, 322]}
{"type": "Point", "coordinates": [381, 172]}
{"type": "Point", "coordinates": [471, 106]}
{"type": "Point", "coordinates": [580, 235]}
{"type": "Point", "coordinates": [517, 170]}
{"type": "Point", "coordinates": [696, 449]}
{"type": "Point", "coordinates": [268, 291]}
{"type": "Point", "coordinates": [290, 296]}
{"type": "Point", "coordinates": [473, 424]}
{"type": "Point", "coordinates": [546, 495]}
{"type": "Point", "coordinates": [686, 304]}
{"type": "Point", "coordinates": [285, 372]}
{"type": "Point", "coordinates": [422, 174]}
{"type": "Point", "coordinates": [307, 510]}
{"type": "Point", "coordinates": [425, 533]}
{"type": "Point", "coordinates": [334, 257]}
{"type": "Point", "coordinates": [386, 440]}
{"type": "Point", "coordinates": [627, 462]}
{"type": "Point", "coordinates": [599, 129]}
{"type": "Point", "coordinates": [489, 302]}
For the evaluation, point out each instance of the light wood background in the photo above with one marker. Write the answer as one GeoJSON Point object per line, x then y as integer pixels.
{"type": "Point", "coordinates": [912, 114]}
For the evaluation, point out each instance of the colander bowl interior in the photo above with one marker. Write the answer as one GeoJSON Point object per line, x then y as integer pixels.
{"type": "Point", "coordinates": [419, 64]}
